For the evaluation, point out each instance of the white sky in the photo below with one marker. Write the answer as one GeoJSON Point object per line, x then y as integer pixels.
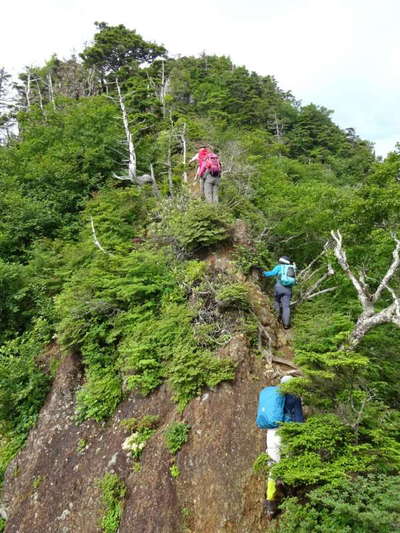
{"type": "Point", "coordinates": [342, 54]}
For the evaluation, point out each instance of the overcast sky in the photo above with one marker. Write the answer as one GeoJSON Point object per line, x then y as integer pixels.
{"type": "Point", "coordinates": [342, 54]}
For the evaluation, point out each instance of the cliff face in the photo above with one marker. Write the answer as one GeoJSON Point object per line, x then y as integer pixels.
{"type": "Point", "coordinates": [52, 485]}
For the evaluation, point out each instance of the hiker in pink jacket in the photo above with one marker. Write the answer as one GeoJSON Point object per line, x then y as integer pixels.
{"type": "Point", "coordinates": [209, 173]}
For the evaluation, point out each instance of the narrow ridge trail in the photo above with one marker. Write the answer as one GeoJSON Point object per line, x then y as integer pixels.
{"type": "Point", "coordinates": [52, 484]}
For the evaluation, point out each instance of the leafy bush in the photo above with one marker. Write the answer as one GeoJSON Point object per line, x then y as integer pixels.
{"type": "Point", "coordinates": [23, 385]}
{"type": "Point", "coordinates": [235, 295]}
{"type": "Point", "coordinates": [176, 436]}
{"type": "Point", "coordinates": [146, 422]}
{"type": "Point", "coordinates": [247, 257]}
{"type": "Point", "coordinates": [147, 357]}
{"type": "Point", "coordinates": [118, 215]}
{"type": "Point", "coordinates": [100, 395]}
{"type": "Point", "coordinates": [201, 226]}
{"type": "Point", "coordinates": [192, 371]}
{"type": "Point", "coordinates": [97, 310]}
{"type": "Point", "coordinates": [113, 492]}
{"type": "Point", "coordinates": [324, 450]}
{"type": "Point", "coordinates": [261, 464]}
{"type": "Point", "coordinates": [193, 271]}
{"type": "Point", "coordinates": [354, 506]}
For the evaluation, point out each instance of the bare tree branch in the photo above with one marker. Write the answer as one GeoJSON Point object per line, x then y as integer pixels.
{"type": "Point", "coordinates": [96, 240]}
{"type": "Point", "coordinates": [391, 270]}
{"type": "Point", "coordinates": [303, 274]}
{"type": "Point", "coordinates": [307, 292]}
{"type": "Point", "coordinates": [369, 317]}
{"type": "Point", "coordinates": [342, 260]}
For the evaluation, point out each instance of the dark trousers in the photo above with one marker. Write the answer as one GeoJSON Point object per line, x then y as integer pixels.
{"type": "Point", "coordinates": [282, 303]}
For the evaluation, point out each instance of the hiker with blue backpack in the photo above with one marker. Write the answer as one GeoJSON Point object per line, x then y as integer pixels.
{"type": "Point", "coordinates": [285, 272]}
{"type": "Point", "coordinates": [274, 408]}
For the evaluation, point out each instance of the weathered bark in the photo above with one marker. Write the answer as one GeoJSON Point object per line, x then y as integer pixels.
{"type": "Point", "coordinates": [182, 137]}
{"type": "Point", "coordinates": [129, 140]}
{"type": "Point", "coordinates": [370, 318]}
{"type": "Point", "coordinates": [163, 86]}
{"type": "Point", "coordinates": [28, 91]}
{"type": "Point", "coordinates": [51, 92]}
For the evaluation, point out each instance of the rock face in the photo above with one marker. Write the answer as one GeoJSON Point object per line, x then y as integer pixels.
{"type": "Point", "coordinates": [52, 485]}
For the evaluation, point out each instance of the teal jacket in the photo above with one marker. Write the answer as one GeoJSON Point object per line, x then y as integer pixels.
{"type": "Point", "coordinates": [275, 272]}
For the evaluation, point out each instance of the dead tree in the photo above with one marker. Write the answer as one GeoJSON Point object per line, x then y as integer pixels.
{"type": "Point", "coordinates": [163, 87]}
{"type": "Point", "coordinates": [182, 137]}
{"type": "Point", "coordinates": [28, 91]}
{"type": "Point", "coordinates": [51, 92]}
{"type": "Point", "coordinates": [169, 162]}
{"type": "Point", "coordinates": [310, 284]}
{"type": "Point", "coordinates": [129, 140]}
{"type": "Point", "coordinates": [132, 174]}
{"type": "Point", "coordinates": [369, 317]}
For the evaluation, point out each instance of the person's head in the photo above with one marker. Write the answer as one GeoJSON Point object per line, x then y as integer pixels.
{"type": "Point", "coordinates": [285, 379]}
{"type": "Point", "coordinates": [284, 260]}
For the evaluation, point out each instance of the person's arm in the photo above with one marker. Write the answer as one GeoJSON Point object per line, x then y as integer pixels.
{"type": "Point", "coordinates": [274, 272]}
{"type": "Point", "coordinates": [194, 158]}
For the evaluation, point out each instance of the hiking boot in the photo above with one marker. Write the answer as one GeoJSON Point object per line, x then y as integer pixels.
{"type": "Point", "coordinates": [270, 508]}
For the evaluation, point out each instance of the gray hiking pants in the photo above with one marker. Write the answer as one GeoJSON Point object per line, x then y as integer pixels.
{"type": "Point", "coordinates": [209, 184]}
{"type": "Point", "coordinates": [282, 302]}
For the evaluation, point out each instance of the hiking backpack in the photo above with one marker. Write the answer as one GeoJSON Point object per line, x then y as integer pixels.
{"type": "Point", "coordinates": [271, 407]}
{"type": "Point", "coordinates": [287, 277]}
{"type": "Point", "coordinates": [212, 164]}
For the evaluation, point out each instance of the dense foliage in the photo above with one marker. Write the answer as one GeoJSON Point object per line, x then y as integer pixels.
{"type": "Point", "coordinates": [115, 273]}
{"type": "Point", "coordinates": [112, 495]}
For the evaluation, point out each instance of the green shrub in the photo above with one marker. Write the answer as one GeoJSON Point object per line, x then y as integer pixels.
{"type": "Point", "coordinates": [235, 295]}
{"type": "Point", "coordinates": [193, 271]}
{"type": "Point", "coordinates": [191, 371]}
{"type": "Point", "coordinates": [146, 422]}
{"type": "Point", "coordinates": [99, 396]}
{"type": "Point", "coordinates": [370, 504]}
{"type": "Point", "coordinates": [176, 436]}
{"type": "Point", "coordinates": [97, 310]}
{"type": "Point", "coordinates": [23, 385]}
{"type": "Point", "coordinates": [10, 444]}
{"type": "Point", "coordinates": [113, 492]}
{"type": "Point", "coordinates": [257, 256]}
{"type": "Point", "coordinates": [164, 346]}
{"type": "Point", "coordinates": [261, 464]}
{"type": "Point", "coordinates": [320, 451]}
{"type": "Point", "coordinates": [175, 471]}
{"type": "Point", "coordinates": [201, 226]}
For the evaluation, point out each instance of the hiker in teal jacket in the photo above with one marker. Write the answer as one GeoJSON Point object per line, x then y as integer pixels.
{"type": "Point", "coordinates": [282, 292]}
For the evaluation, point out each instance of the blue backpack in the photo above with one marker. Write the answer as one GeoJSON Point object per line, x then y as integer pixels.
{"type": "Point", "coordinates": [287, 277]}
{"type": "Point", "coordinates": [271, 407]}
